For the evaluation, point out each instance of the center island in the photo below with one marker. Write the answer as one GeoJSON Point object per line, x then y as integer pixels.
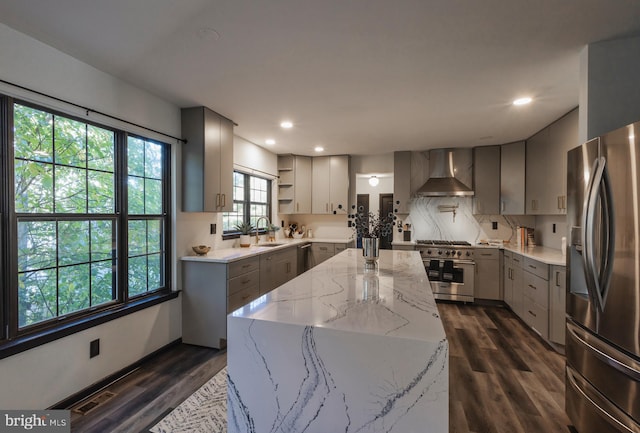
{"type": "Point", "coordinates": [341, 348]}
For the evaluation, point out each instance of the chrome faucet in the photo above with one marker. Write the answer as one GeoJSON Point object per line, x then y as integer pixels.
{"type": "Point", "coordinates": [258, 226]}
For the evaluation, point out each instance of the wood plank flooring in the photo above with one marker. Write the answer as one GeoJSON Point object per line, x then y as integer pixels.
{"type": "Point", "coordinates": [503, 379]}
{"type": "Point", "coordinates": [147, 394]}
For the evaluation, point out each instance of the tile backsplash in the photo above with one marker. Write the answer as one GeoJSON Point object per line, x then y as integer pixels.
{"type": "Point", "coordinates": [433, 218]}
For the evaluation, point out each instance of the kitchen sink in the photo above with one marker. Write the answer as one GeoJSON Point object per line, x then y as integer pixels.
{"type": "Point", "coordinates": [269, 245]}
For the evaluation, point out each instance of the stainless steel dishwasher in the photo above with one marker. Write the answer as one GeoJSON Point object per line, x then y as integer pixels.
{"type": "Point", "coordinates": [303, 258]}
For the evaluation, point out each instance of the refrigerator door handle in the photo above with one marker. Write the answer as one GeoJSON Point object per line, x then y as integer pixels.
{"type": "Point", "coordinates": [587, 226]}
{"type": "Point", "coordinates": [598, 279]}
{"type": "Point", "coordinates": [621, 362]}
{"type": "Point", "coordinates": [608, 411]}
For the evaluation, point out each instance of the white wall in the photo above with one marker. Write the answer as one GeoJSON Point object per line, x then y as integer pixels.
{"type": "Point", "coordinates": [41, 377]}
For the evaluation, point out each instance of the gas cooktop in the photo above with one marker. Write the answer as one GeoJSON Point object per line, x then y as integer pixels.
{"type": "Point", "coordinates": [441, 243]}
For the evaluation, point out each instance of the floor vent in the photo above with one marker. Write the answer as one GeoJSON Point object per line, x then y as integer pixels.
{"type": "Point", "coordinates": [87, 406]}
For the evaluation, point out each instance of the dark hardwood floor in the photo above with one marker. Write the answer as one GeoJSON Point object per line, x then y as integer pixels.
{"type": "Point", "coordinates": [147, 394]}
{"type": "Point", "coordinates": [503, 378]}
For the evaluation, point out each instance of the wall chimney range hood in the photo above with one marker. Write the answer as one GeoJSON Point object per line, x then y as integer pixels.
{"type": "Point", "coordinates": [444, 166]}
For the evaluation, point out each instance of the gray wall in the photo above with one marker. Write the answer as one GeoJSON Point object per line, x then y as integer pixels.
{"type": "Point", "coordinates": [609, 86]}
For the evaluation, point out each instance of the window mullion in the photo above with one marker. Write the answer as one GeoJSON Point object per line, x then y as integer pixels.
{"type": "Point", "coordinates": [122, 179]}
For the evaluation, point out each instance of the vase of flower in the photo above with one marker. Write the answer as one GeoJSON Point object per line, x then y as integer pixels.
{"type": "Point", "coordinates": [370, 250]}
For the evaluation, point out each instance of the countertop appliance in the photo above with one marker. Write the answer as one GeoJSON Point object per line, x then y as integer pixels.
{"type": "Point", "coordinates": [603, 283]}
{"type": "Point", "coordinates": [450, 268]}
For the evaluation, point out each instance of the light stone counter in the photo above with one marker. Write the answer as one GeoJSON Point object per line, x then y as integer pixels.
{"type": "Point", "coordinates": [228, 255]}
{"type": "Point", "coordinates": [341, 348]}
{"type": "Point", "coordinates": [547, 255]}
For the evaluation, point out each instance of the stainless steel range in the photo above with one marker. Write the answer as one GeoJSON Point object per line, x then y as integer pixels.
{"type": "Point", "coordinates": [450, 267]}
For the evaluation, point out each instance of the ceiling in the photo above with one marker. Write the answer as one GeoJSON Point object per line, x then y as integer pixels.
{"type": "Point", "coordinates": [354, 76]}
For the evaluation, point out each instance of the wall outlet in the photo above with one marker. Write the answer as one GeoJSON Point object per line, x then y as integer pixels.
{"type": "Point", "coordinates": [212, 229]}
{"type": "Point", "coordinates": [494, 225]}
{"type": "Point", "coordinates": [94, 348]}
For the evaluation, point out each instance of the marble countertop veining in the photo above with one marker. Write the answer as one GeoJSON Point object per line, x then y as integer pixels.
{"type": "Point", "coordinates": [393, 300]}
{"type": "Point", "coordinates": [228, 255]}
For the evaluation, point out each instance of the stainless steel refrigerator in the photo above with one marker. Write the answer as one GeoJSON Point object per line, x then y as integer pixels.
{"type": "Point", "coordinates": [603, 283]}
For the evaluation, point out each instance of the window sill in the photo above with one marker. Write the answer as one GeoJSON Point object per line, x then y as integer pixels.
{"type": "Point", "coordinates": [30, 341]}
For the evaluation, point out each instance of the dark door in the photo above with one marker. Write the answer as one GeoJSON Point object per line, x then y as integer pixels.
{"type": "Point", "coordinates": [362, 208]}
{"type": "Point", "coordinates": [386, 208]}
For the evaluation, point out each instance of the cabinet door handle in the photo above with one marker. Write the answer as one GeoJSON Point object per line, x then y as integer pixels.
{"type": "Point", "coordinates": [532, 313]}
{"type": "Point", "coordinates": [559, 200]}
{"type": "Point", "coordinates": [533, 287]}
{"type": "Point", "coordinates": [503, 205]}
{"type": "Point", "coordinates": [331, 206]}
{"type": "Point", "coordinates": [224, 200]}
{"type": "Point", "coordinates": [557, 275]}
{"type": "Point", "coordinates": [297, 206]}
{"type": "Point", "coordinates": [217, 200]}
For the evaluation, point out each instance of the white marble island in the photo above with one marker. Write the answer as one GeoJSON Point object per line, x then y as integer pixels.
{"type": "Point", "coordinates": [341, 349]}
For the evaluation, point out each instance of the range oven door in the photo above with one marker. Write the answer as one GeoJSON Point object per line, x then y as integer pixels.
{"type": "Point", "coordinates": [451, 280]}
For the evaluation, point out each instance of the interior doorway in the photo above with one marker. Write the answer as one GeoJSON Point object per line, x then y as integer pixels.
{"type": "Point", "coordinates": [362, 201]}
{"type": "Point", "coordinates": [386, 208]}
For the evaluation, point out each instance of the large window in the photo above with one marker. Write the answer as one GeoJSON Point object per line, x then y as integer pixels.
{"type": "Point", "coordinates": [90, 215]}
{"type": "Point", "coordinates": [251, 200]}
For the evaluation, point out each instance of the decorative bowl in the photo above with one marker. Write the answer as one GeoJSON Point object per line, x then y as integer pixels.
{"type": "Point", "coordinates": [201, 250]}
{"type": "Point", "coordinates": [297, 235]}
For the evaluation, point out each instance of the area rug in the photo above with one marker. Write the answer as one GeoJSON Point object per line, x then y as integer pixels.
{"type": "Point", "coordinates": [205, 411]}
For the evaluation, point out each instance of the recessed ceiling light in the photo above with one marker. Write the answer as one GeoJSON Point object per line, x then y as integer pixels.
{"type": "Point", "coordinates": [522, 101]}
{"type": "Point", "coordinates": [270, 141]}
{"type": "Point", "coordinates": [319, 149]}
{"type": "Point", "coordinates": [286, 124]}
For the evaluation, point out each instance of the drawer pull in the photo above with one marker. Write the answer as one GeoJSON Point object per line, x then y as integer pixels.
{"type": "Point", "coordinates": [533, 287]}
{"type": "Point", "coordinates": [532, 313]}
{"type": "Point", "coordinates": [246, 296]}
{"type": "Point", "coordinates": [246, 281]}
{"type": "Point", "coordinates": [246, 266]}
{"type": "Point", "coordinates": [532, 267]}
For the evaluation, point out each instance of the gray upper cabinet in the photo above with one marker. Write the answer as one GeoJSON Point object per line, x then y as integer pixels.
{"type": "Point", "coordinates": [486, 180]}
{"type": "Point", "coordinates": [512, 178]}
{"type": "Point", "coordinates": [330, 183]}
{"type": "Point", "coordinates": [546, 166]}
{"type": "Point", "coordinates": [294, 184]}
{"type": "Point", "coordinates": [207, 161]}
{"type": "Point", "coordinates": [402, 180]}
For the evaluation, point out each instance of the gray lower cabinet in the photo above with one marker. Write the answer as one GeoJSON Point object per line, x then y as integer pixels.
{"type": "Point", "coordinates": [535, 291]}
{"type": "Point", "coordinates": [535, 300]}
{"type": "Point", "coordinates": [557, 304]}
{"type": "Point", "coordinates": [513, 291]}
{"type": "Point", "coordinates": [213, 290]}
{"type": "Point", "coordinates": [487, 278]}
{"type": "Point", "coordinates": [277, 267]}
{"type": "Point", "coordinates": [321, 251]}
